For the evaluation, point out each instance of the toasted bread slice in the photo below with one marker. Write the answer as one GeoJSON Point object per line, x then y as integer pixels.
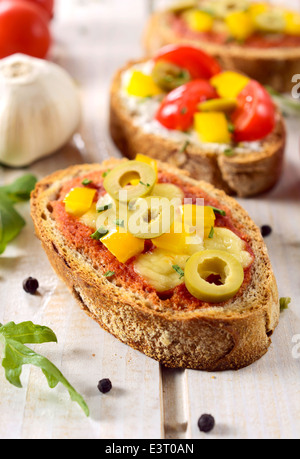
{"type": "Point", "coordinates": [246, 174]}
{"type": "Point", "coordinates": [272, 66]}
{"type": "Point", "coordinates": [230, 335]}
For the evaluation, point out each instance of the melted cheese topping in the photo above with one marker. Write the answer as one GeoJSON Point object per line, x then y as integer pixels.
{"type": "Point", "coordinates": [157, 267]}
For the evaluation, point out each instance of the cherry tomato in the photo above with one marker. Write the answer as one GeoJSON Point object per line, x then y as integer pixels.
{"type": "Point", "coordinates": [194, 60]}
{"type": "Point", "coordinates": [46, 5]}
{"type": "Point", "coordinates": [23, 29]}
{"type": "Point", "coordinates": [179, 106]}
{"type": "Point", "coordinates": [255, 116]}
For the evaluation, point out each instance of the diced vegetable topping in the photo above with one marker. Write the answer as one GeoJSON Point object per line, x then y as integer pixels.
{"type": "Point", "coordinates": [79, 201]}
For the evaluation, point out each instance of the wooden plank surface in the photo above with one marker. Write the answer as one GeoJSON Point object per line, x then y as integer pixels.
{"type": "Point", "coordinates": [92, 40]}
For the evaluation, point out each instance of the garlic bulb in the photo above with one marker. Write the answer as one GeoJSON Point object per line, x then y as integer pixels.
{"type": "Point", "coordinates": [39, 109]}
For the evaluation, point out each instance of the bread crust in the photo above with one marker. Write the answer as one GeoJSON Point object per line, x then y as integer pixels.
{"type": "Point", "coordinates": [246, 174]}
{"type": "Point", "coordinates": [212, 339]}
{"type": "Point", "coordinates": [274, 67]}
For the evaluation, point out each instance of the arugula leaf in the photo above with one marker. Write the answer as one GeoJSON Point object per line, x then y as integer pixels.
{"type": "Point", "coordinates": [11, 223]}
{"type": "Point", "coordinates": [20, 189]}
{"type": "Point", "coordinates": [16, 354]}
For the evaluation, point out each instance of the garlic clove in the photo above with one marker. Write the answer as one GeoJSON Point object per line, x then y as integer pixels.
{"type": "Point", "coordinates": [40, 109]}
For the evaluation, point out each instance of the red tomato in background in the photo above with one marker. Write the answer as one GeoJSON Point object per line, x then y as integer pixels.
{"type": "Point", "coordinates": [179, 106]}
{"type": "Point", "coordinates": [23, 29]}
{"type": "Point", "coordinates": [255, 117]}
{"type": "Point", "coordinates": [197, 62]}
{"type": "Point", "coordinates": [46, 5]}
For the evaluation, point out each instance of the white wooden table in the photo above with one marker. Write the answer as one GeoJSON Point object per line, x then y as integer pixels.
{"type": "Point", "coordinates": [92, 39]}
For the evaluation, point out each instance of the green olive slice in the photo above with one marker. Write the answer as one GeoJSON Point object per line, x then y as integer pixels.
{"type": "Point", "coordinates": [221, 8]}
{"type": "Point", "coordinates": [168, 190]}
{"type": "Point", "coordinates": [117, 182]}
{"type": "Point", "coordinates": [225, 105]}
{"type": "Point", "coordinates": [169, 76]}
{"type": "Point", "coordinates": [219, 264]}
{"type": "Point", "coordinates": [182, 5]}
{"type": "Point", "coordinates": [151, 217]}
{"type": "Point", "coordinates": [271, 21]}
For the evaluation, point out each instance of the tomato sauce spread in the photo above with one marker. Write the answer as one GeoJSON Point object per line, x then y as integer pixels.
{"type": "Point", "coordinates": [78, 237]}
{"type": "Point", "coordinates": [257, 40]}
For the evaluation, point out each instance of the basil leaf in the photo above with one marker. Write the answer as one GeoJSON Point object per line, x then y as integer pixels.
{"type": "Point", "coordinates": [20, 189]}
{"type": "Point", "coordinates": [16, 354]}
{"type": "Point", "coordinates": [11, 223]}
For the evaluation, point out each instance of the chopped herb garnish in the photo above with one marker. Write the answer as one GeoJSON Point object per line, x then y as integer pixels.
{"type": "Point", "coordinates": [229, 152]}
{"type": "Point", "coordinates": [86, 182]}
{"type": "Point", "coordinates": [106, 173]}
{"type": "Point", "coordinates": [218, 211]}
{"type": "Point", "coordinates": [231, 127]}
{"type": "Point", "coordinates": [120, 223]}
{"type": "Point", "coordinates": [179, 271]}
{"type": "Point", "coordinates": [100, 233]}
{"type": "Point", "coordinates": [212, 232]}
{"type": "Point", "coordinates": [145, 184]}
{"type": "Point", "coordinates": [184, 147]}
{"type": "Point", "coordinates": [183, 111]}
{"type": "Point", "coordinates": [103, 208]}
{"type": "Point", "coordinates": [109, 274]}
{"type": "Point", "coordinates": [284, 303]}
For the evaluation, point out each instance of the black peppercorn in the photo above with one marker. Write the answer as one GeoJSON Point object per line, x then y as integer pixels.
{"type": "Point", "coordinates": [30, 285]}
{"type": "Point", "coordinates": [266, 230]}
{"type": "Point", "coordinates": [206, 423]}
{"type": "Point", "coordinates": [104, 386]}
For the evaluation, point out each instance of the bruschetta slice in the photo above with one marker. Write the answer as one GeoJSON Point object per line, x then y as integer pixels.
{"type": "Point", "coordinates": [256, 38]}
{"type": "Point", "coordinates": [186, 280]}
{"type": "Point", "coordinates": [180, 107]}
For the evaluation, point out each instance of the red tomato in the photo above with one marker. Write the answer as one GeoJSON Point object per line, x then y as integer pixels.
{"type": "Point", "coordinates": [23, 29]}
{"type": "Point", "coordinates": [46, 5]}
{"type": "Point", "coordinates": [255, 116]}
{"type": "Point", "coordinates": [179, 106]}
{"type": "Point", "coordinates": [197, 62]}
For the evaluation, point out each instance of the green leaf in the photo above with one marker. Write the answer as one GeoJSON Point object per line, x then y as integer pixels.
{"type": "Point", "coordinates": [11, 223]}
{"type": "Point", "coordinates": [20, 189]}
{"type": "Point", "coordinates": [16, 354]}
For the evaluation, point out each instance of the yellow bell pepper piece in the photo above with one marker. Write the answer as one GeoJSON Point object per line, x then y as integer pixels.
{"type": "Point", "coordinates": [255, 9]}
{"type": "Point", "coordinates": [79, 201]}
{"type": "Point", "coordinates": [199, 217]}
{"type": "Point", "coordinates": [176, 241]}
{"type": "Point", "coordinates": [141, 85]}
{"type": "Point", "coordinates": [240, 25]}
{"type": "Point", "coordinates": [292, 23]}
{"type": "Point", "coordinates": [123, 245]}
{"type": "Point", "coordinates": [212, 127]}
{"type": "Point", "coordinates": [229, 84]}
{"type": "Point", "coordinates": [199, 21]}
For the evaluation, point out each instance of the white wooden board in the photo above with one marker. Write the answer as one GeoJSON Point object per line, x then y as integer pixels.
{"type": "Point", "coordinates": [92, 40]}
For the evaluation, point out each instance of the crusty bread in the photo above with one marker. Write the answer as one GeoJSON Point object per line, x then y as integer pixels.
{"type": "Point", "coordinates": [244, 174]}
{"type": "Point", "coordinates": [273, 66]}
{"type": "Point", "coordinates": [215, 338]}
